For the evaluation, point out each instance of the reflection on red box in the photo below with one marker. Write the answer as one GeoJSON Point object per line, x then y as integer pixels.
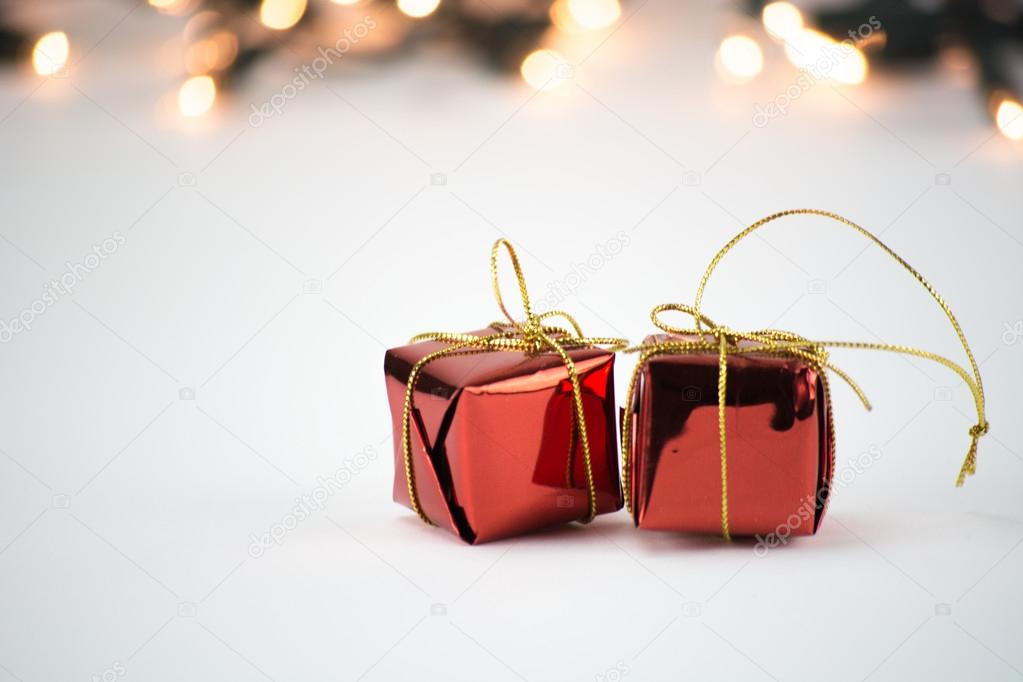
{"type": "Point", "coordinates": [494, 442]}
{"type": "Point", "coordinates": [780, 454]}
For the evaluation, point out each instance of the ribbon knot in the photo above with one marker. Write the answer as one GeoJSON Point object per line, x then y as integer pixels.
{"type": "Point", "coordinates": [532, 336]}
{"type": "Point", "coordinates": [707, 336]}
{"type": "Point", "coordinates": [531, 332]}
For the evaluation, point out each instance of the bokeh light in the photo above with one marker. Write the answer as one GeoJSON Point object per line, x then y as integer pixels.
{"type": "Point", "coordinates": [826, 58]}
{"type": "Point", "coordinates": [1009, 118]}
{"type": "Point", "coordinates": [782, 20]}
{"type": "Point", "coordinates": [50, 53]}
{"type": "Point", "coordinates": [196, 96]}
{"type": "Point", "coordinates": [740, 57]}
{"type": "Point", "coordinates": [214, 53]}
{"type": "Point", "coordinates": [281, 15]}
{"type": "Point", "coordinates": [171, 6]}
{"type": "Point", "coordinates": [545, 69]}
{"type": "Point", "coordinates": [594, 14]}
{"type": "Point", "coordinates": [418, 8]}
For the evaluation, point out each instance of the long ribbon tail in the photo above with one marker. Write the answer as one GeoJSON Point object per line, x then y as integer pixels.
{"type": "Point", "coordinates": [974, 382]}
{"type": "Point", "coordinates": [969, 467]}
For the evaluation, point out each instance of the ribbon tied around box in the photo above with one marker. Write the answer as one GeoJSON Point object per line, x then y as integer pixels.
{"type": "Point", "coordinates": [532, 336]}
{"type": "Point", "coordinates": [707, 336]}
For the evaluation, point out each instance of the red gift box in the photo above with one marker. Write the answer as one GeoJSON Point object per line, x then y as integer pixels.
{"type": "Point", "coordinates": [731, 432]}
{"type": "Point", "coordinates": [780, 457]}
{"type": "Point", "coordinates": [504, 430]}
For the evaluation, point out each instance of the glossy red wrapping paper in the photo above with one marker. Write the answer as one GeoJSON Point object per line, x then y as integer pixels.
{"type": "Point", "coordinates": [493, 440]}
{"type": "Point", "coordinates": [780, 458]}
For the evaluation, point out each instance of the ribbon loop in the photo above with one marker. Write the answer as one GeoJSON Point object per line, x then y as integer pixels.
{"type": "Point", "coordinates": [531, 336]}
{"type": "Point", "coordinates": [975, 383]}
{"type": "Point", "coordinates": [531, 323]}
{"type": "Point", "coordinates": [725, 341]}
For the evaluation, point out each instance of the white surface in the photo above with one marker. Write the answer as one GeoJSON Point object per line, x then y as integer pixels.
{"type": "Point", "coordinates": [126, 513]}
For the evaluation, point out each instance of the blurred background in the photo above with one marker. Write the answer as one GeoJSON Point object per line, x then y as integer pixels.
{"type": "Point", "coordinates": [209, 48]}
{"type": "Point", "coordinates": [218, 214]}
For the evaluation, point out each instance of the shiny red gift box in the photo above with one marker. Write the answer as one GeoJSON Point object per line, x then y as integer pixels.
{"type": "Point", "coordinates": [780, 450]}
{"type": "Point", "coordinates": [495, 446]}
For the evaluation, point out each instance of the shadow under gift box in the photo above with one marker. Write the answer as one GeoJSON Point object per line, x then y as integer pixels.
{"type": "Point", "coordinates": [780, 452]}
{"type": "Point", "coordinates": [493, 438]}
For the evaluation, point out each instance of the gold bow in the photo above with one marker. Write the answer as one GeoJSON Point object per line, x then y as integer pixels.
{"type": "Point", "coordinates": [531, 336]}
{"type": "Point", "coordinates": [709, 336]}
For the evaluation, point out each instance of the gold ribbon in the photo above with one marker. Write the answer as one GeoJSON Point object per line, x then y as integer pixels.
{"type": "Point", "coordinates": [531, 336]}
{"type": "Point", "coordinates": [711, 337]}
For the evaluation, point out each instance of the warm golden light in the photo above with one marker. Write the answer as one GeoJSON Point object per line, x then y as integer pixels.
{"type": "Point", "coordinates": [782, 19]}
{"type": "Point", "coordinates": [740, 57]}
{"type": "Point", "coordinates": [590, 15]}
{"type": "Point", "coordinates": [199, 24]}
{"type": "Point", "coordinates": [561, 19]}
{"type": "Point", "coordinates": [826, 58]}
{"type": "Point", "coordinates": [418, 8]}
{"type": "Point", "coordinates": [196, 96]}
{"type": "Point", "coordinates": [346, 2]}
{"type": "Point", "coordinates": [853, 68]}
{"type": "Point", "coordinates": [545, 69]}
{"type": "Point", "coordinates": [227, 48]}
{"type": "Point", "coordinates": [1009, 118]}
{"type": "Point", "coordinates": [579, 16]}
{"type": "Point", "coordinates": [50, 53]}
{"type": "Point", "coordinates": [201, 57]}
{"type": "Point", "coordinates": [211, 54]}
{"type": "Point", "coordinates": [170, 6]}
{"type": "Point", "coordinates": [281, 14]}
{"type": "Point", "coordinates": [804, 46]}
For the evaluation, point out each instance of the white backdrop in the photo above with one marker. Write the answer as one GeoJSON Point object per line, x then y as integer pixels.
{"type": "Point", "coordinates": [227, 353]}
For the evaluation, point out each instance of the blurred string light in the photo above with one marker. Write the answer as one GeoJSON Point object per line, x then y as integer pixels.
{"type": "Point", "coordinates": [826, 57]}
{"type": "Point", "coordinates": [979, 41]}
{"type": "Point", "coordinates": [220, 44]}
{"type": "Point", "coordinates": [740, 58]}
{"type": "Point", "coordinates": [280, 15]}
{"type": "Point", "coordinates": [50, 53]}
{"type": "Point", "coordinates": [213, 53]}
{"type": "Point", "coordinates": [579, 16]}
{"type": "Point", "coordinates": [545, 70]}
{"type": "Point", "coordinates": [417, 9]}
{"type": "Point", "coordinates": [809, 49]}
{"type": "Point", "coordinates": [171, 6]}
{"type": "Point", "coordinates": [1009, 119]}
{"type": "Point", "coordinates": [782, 20]}
{"type": "Point", "coordinates": [196, 96]}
